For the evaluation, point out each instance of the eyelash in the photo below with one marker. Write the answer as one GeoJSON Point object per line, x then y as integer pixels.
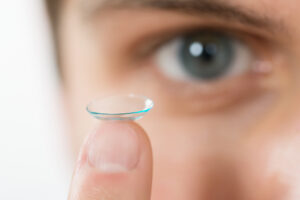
{"type": "Point", "coordinates": [164, 37]}
{"type": "Point", "coordinates": [258, 45]}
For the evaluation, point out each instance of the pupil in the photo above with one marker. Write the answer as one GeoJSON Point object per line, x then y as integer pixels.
{"type": "Point", "coordinates": [206, 56]}
{"type": "Point", "coordinates": [210, 52]}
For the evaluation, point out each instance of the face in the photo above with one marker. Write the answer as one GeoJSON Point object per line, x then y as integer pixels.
{"type": "Point", "coordinates": [224, 77]}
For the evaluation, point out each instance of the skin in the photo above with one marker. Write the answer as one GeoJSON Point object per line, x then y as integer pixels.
{"type": "Point", "coordinates": [237, 138]}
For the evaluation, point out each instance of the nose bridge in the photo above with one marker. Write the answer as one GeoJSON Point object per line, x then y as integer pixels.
{"type": "Point", "coordinates": [221, 180]}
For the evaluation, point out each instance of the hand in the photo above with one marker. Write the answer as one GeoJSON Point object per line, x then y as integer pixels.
{"type": "Point", "coordinates": [115, 163]}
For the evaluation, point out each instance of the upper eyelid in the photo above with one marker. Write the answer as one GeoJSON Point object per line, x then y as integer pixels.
{"type": "Point", "coordinates": [181, 33]}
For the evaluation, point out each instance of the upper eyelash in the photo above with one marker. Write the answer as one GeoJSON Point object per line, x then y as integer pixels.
{"type": "Point", "coordinates": [167, 37]}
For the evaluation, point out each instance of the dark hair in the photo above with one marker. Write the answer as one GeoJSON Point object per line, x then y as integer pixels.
{"type": "Point", "coordinates": [53, 8]}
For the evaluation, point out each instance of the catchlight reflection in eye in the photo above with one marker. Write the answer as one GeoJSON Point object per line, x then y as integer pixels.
{"type": "Point", "coordinates": [196, 49]}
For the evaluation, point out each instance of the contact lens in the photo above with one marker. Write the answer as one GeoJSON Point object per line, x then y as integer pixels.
{"type": "Point", "coordinates": [123, 107]}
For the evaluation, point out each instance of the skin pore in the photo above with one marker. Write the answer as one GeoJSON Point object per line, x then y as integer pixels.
{"type": "Point", "coordinates": [237, 137]}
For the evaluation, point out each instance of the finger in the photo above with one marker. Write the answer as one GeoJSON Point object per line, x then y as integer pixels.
{"type": "Point", "coordinates": [115, 163]}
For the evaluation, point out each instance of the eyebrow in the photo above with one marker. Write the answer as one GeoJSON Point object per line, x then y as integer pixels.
{"type": "Point", "coordinates": [216, 8]}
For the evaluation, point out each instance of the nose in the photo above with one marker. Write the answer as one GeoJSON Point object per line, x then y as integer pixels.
{"type": "Point", "coordinates": [221, 180]}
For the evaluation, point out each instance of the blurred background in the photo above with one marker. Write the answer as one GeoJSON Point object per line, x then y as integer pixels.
{"type": "Point", "coordinates": [33, 164]}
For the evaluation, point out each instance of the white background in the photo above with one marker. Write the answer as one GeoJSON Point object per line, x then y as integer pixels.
{"type": "Point", "coordinates": [33, 160]}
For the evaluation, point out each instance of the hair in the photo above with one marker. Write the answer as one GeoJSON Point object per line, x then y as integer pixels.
{"type": "Point", "coordinates": [53, 9]}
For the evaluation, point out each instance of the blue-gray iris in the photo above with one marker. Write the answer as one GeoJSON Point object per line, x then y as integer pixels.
{"type": "Point", "coordinates": [207, 55]}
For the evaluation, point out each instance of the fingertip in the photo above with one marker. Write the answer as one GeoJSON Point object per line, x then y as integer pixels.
{"type": "Point", "coordinates": [117, 156]}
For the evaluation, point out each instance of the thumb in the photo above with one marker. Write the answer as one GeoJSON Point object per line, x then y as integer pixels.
{"type": "Point", "coordinates": [115, 163]}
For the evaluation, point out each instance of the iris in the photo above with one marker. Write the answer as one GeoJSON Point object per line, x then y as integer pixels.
{"type": "Point", "coordinates": [207, 56]}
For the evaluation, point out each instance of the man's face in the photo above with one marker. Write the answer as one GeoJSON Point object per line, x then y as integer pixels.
{"type": "Point", "coordinates": [224, 77]}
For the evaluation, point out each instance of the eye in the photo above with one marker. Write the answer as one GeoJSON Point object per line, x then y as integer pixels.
{"type": "Point", "coordinates": [204, 56]}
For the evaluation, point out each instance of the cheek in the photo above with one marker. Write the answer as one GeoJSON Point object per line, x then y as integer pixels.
{"type": "Point", "coordinates": [271, 166]}
{"type": "Point", "coordinates": [270, 156]}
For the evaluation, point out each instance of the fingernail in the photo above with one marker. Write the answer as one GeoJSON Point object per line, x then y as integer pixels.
{"type": "Point", "coordinates": [114, 147]}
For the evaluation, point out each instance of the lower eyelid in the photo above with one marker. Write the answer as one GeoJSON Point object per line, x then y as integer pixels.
{"type": "Point", "coordinates": [207, 89]}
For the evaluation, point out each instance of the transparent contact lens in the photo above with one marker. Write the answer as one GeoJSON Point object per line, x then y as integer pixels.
{"type": "Point", "coordinates": [123, 107]}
